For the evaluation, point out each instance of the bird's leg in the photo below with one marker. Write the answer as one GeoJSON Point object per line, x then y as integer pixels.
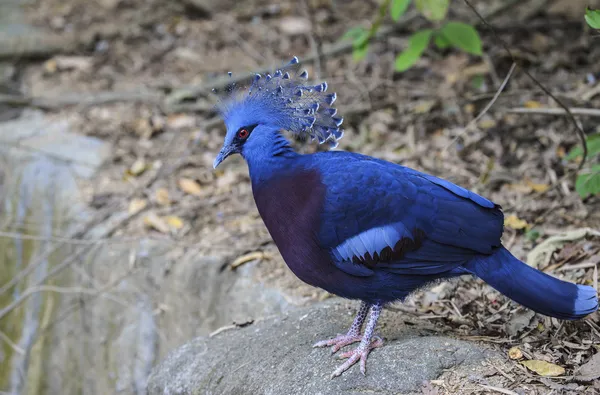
{"type": "Point", "coordinates": [353, 334]}
{"type": "Point", "coordinates": [367, 343]}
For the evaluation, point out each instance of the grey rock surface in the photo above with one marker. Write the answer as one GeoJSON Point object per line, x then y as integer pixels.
{"type": "Point", "coordinates": [275, 356]}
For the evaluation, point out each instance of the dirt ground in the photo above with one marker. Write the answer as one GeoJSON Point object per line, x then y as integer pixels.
{"type": "Point", "coordinates": [166, 137]}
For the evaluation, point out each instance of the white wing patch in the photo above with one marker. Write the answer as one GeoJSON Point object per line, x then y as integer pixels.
{"type": "Point", "coordinates": [372, 241]}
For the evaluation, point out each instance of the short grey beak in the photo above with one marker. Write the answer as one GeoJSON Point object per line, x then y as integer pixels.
{"type": "Point", "coordinates": [225, 152]}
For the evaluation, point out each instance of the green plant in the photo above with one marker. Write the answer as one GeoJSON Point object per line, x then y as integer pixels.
{"type": "Point", "coordinates": [444, 34]}
{"type": "Point", "coordinates": [592, 17]}
{"type": "Point", "coordinates": [588, 179]}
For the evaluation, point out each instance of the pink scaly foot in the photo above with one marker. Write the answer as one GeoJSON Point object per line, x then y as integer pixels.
{"type": "Point", "coordinates": [338, 342]}
{"type": "Point", "coordinates": [353, 334]}
{"type": "Point", "coordinates": [367, 344]}
{"type": "Point", "coordinates": [359, 353]}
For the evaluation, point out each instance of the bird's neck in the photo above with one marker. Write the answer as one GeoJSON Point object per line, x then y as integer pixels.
{"type": "Point", "coordinates": [267, 161]}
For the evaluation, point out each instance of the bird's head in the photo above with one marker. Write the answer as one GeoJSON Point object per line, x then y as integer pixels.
{"type": "Point", "coordinates": [272, 103]}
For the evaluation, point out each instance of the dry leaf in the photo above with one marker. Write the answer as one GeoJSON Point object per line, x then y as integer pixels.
{"type": "Point", "coordinates": [487, 123]}
{"type": "Point", "coordinates": [142, 128]}
{"type": "Point", "coordinates": [189, 186]}
{"type": "Point", "coordinates": [154, 221]}
{"type": "Point", "coordinates": [514, 222]}
{"type": "Point", "coordinates": [541, 188]}
{"type": "Point", "coordinates": [50, 66]}
{"type": "Point", "coordinates": [519, 322]}
{"type": "Point", "coordinates": [469, 108]}
{"type": "Point", "coordinates": [532, 104]}
{"type": "Point", "coordinates": [520, 188]}
{"type": "Point", "coordinates": [476, 69]}
{"type": "Point", "coordinates": [293, 25]}
{"type": "Point", "coordinates": [180, 121]}
{"type": "Point", "coordinates": [137, 168]}
{"type": "Point", "coordinates": [162, 196]}
{"type": "Point", "coordinates": [137, 205]}
{"type": "Point", "coordinates": [590, 370]}
{"type": "Point", "coordinates": [543, 368]}
{"type": "Point", "coordinates": [424, 106]}
{"type": "Point", "coordinates": [515, 353]}
{"type": "Point", "coordinates": [80, 63]}
{"type": "Point", "coordinates": [246, 258]}
{"type": "Point", "coordinates": [174, 222]}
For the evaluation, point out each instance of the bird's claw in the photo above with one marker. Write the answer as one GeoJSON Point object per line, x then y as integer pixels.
{"type": "Point", "coordinates": [338, 342]}
{"type": "Point", "coordinates": [359, 353]}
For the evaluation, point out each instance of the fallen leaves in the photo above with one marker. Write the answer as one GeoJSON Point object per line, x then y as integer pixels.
{"type": "Point", "coordinates": [162, 196]}
{"type": "Point", "coordinates": [532, 104]}
{"type": "Point", "coordinates": [528, 186]}
{"type": "Point", "coordinates": [174, 222]}
{"type": "Point", "coordinates": [519, 322]}
{"type": "Point", "coordinates": [293, 26]}
{"type": "Point", "coordinates": [64, 63]}
{"type": "Point", "coordinates": [189, 186]}
{"type": "Point", "coordinates": [540, 256]}
{"type": "Point", "coordinates": [137, 205]}
{"type": "Point", "coordinates": [137, 168]}
{"type": "Point", "coordinates": [537, 187]}
{"type": "Point", "coordinates": [515, 353]}
{"type": "Point", "coordinates": [590, 370]}
{"type": "Point", "coordinates": [543, 368]}
{"type": "Point", "coordinates": [181, 121]}
{"type": "Point", "coordinates": [514, 222]}
{"type": "Point", "coordinates": [155, 222]}
{"type": "Point", "coordinates": [167, 224]}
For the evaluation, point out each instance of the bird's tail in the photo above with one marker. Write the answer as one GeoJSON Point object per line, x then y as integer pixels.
{"type": "Point", "coordinates": [532, 288]}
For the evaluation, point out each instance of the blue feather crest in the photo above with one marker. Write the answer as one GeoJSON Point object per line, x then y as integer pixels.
{"type": "Point", "coordinates": [287, 100]}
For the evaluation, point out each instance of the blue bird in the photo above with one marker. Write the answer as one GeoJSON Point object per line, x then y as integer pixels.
{"type": "Point", "coordinates": [367, 229]}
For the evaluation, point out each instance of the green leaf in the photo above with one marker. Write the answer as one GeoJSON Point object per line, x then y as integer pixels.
{"type": "Point", "coordinates": [434, 10]}
{"type": "Point", "coordinates": [477, 81]}
{"type": "Point", "coordinates": [588, 182]}
{"type": "Point", "coordinates": [417, 43]}
{"type": "Point", "coordinates": [462, 36]}
{"type": "Point", "coordinates": [440, 41]}
{"type": "Point", "coordinates": [360, 46]}
{"type": "Point", "coordinates": [360, 52]}
{"type": "Point", "coordinates": [399, 8]}
{"type": "Point", "coordinates": [592, 17]}
{"type": "Point", "coordinates": [593, 146]}
{"type": "Point", "coordinates": [532, 234]}
{"type": "Point", "coordinates": [353, 33]}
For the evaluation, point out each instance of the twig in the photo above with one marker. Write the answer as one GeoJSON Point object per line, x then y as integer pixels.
{"type": "Point", "coordinates": [577, 266]}
{"type": "Point", "coordinates": [381, 13]}
{"type": "Point", "coordinates": [76, 99]}
{"type": "Point", "coordinates": [591, 112]}
{"type": "Point", "coordinates": [578, 129]}
{"type": "Point", "coordinates": [315, 41]}
{"type": "Point", "coordinates": [11, 344]}
{"type": "Point", "coordinates": [498, 389]}
{"type": "Point", "coordinates": [486, 109]}
{"type": "Point", "coordinates": [256, 255]}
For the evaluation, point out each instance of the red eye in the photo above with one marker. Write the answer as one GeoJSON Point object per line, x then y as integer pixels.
{"type": "Point", "coordinates": [243, 133]}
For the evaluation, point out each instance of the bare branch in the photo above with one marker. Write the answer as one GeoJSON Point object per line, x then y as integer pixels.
{"type": "Point", "coordinates": [569, 114]}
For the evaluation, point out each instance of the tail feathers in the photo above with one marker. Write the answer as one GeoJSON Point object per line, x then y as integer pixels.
{"type": "Point", "coordinates": [532, 288]}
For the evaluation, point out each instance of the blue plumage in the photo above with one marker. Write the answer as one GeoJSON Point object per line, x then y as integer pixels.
{"type": "Point", "coordinates": [367, 229]}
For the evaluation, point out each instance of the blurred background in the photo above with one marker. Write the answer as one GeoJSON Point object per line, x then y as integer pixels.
{"type": "Point", "coordinates": [119, 242]}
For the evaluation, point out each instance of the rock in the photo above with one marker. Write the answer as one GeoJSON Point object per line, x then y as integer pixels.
{"type": "Point", "coordinates": [275, 356]}
{"type": "Point", "coordinates": [33, 132]}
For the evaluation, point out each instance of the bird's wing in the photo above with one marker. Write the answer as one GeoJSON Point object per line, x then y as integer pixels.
{"type": "Point", "coordinates": [379, 215]}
